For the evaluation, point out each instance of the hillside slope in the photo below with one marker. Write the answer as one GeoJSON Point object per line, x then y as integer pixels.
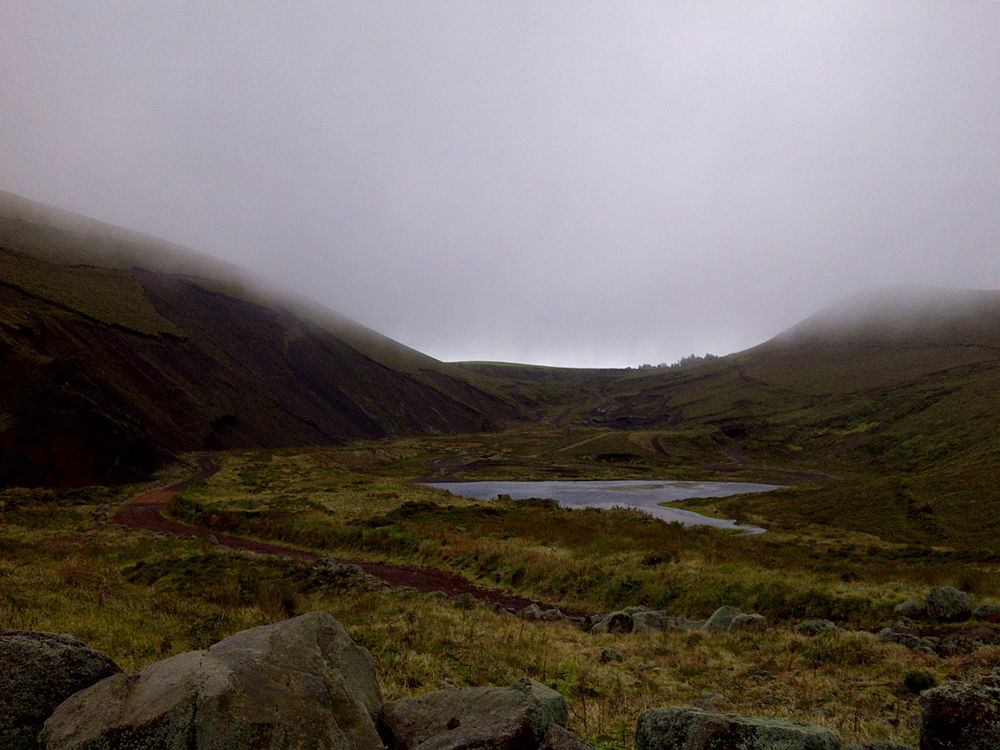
{"type": "Point", "coordinates": [894, 391]}
{"type": "Point", "coordinates": [117, 348]}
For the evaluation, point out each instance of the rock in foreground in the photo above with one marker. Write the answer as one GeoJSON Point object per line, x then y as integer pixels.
{"type": "Point", "coordinates": [961, 716]}
{"type": "Point", "coordinates": [685, 728]}
{"type": "Point", "coordinates": [38, 671]}
{"type": "Point", "coordinates": [514, 718]}
{"type": "Point", "coordinates": [948, 604]}
{"type": "Point", "coordinates": [302, 683]}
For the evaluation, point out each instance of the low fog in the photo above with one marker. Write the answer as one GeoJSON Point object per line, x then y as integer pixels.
{"type": "Point", "coordinates": [582, 184]}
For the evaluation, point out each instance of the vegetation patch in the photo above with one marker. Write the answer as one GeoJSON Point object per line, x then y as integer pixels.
{"type": "Point", "coordinates": [108, 296]}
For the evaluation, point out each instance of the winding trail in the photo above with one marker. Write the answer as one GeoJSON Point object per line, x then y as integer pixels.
{"type": "Point", "coordinates": [146, 512]}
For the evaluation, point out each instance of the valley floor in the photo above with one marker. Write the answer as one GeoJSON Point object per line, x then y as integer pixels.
{"type": "Point", "coordinates": [139, 596]}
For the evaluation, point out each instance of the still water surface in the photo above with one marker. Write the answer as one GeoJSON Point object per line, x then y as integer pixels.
{"type": "Point", "coordinates": [640, 494]}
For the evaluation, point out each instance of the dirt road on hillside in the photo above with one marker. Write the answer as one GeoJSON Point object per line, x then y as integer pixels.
{"type": "Point", "coordinates": [146, 512]}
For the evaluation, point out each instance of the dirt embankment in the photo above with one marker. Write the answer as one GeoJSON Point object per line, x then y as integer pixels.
{"type": "Point", "coordinates": [146, 512]}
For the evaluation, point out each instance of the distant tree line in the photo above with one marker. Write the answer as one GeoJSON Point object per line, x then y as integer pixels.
{"type": "Point", "coordinates": [691, 359]}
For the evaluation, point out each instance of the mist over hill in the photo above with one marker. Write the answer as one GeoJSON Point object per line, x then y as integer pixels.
{"type": "Point", "coordinates": [119, 349]}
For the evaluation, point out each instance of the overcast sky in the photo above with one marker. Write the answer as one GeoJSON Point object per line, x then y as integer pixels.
{"type": "Point", "coordinates": [576, 183]}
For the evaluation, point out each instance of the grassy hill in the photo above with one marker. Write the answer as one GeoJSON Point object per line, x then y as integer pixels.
{"type": "Point", "coordinates": [893, 391]}
{"type": "Point", "coordinates": [118, 348]}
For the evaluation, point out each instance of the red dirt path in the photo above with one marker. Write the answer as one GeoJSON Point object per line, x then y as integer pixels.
{"type": "Point", "coordinates": [145, 512]}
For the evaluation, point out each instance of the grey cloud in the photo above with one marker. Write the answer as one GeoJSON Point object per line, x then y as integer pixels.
{"type": "Point", "coordinates": [567, 183]}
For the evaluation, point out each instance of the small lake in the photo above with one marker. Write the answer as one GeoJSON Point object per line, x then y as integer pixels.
{"type": "Point", "coordinates": [640, 494]}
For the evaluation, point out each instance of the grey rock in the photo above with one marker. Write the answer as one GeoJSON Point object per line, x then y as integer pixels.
{"type": "Point", "coordinates": [987, 612]}
{"type": "Point", "coordinates": [888, 635]}
{"type": "Point", "coordinates": [905, 635]}
{"type": "Point", "coordinates": [611, 654]}
{"type": "Point", "coordinates": [958, 644]}
{"type": "Point", "coordinates": [38, 671]}
{"type": "Point", "coordinates": [683, 728]}
{"type": "Point", "coordinates": [557, 738]}
{"type": "Point", "coordinates": [911, 609]}
{"type": "Point", "coordinates": [879, 746]}
{"type": "Point", "coordinates": [531, 612]}
{"type": "Point", "coordinates": [614, 622]}
{"type": "Point", "coordinates": [948, 604]}
{"type": "Point", "coordinates": [648, 620]}
{"type": "Point", "coordinates": [908, 641]}
{"type": "Point", "coordinates": [682, 623]}
{"type": "Point", "coordinates": [297, 684]}
{"type": "Point", "coordinates": [721, 618]}
{"type": "Point", "coordinates": [814, 627]}
{"type": "Point", "coordinates": [635, 620]}
{"type": "Point", "coordinates": [464, 718]}
{"type": "Point", "coordinates": [465, 600]}
{"type": "Point", "coordinates": [534, 612]}
{"type": "Point", "coordinates": [965, 716]}
{"type": "Point", "coordinates": [748, 624]}
{"type": "Point", "coordinates": [329, 573]}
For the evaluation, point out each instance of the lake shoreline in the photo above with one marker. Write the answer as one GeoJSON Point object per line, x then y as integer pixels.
{"type": "Point", "coordinates": [645, 495]}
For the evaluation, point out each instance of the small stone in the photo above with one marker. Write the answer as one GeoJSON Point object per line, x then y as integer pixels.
{"type": "Point", "coordinates": [748, 624]}
{"type": "Point", "coordinates": [958, 644]}
{"type": "Point", "coordinates": [531, 612]}
{"type": "Point", "coordinates": [814, 627]}
{"type": "Point", "coordinates": [989, 612]}
{"type": "Point", "coordinates": [611, 654]}
{"type": "Point", "coordinates": [465, 601]}
{"type": "Point", "coordinates": [911, 609]}
{"type": "Point", "coordinates": [720, 620]}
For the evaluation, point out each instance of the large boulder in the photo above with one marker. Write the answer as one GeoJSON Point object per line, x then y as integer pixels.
{"type": "Point", "coordinates": [514, 718]}
{"type": "Point", "coordinates": [948, 604]}
{"type": "Point", "coordinates": [685, 728]}
{"type": "Point", "coordinates": [961, 716]}
{"type": "Point", "coordinates": [38, 671]}
{"type": "Point", "coordinates": [721, 619]}
{"type": "Point", "coordinates": [301, 683]}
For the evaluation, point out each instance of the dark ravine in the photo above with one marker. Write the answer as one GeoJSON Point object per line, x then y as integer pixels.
{"type": "Point", "coordinates": [146, 512]}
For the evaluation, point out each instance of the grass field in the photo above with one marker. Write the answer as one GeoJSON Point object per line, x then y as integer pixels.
{"type": "Point", "coordinates": [140, 598]}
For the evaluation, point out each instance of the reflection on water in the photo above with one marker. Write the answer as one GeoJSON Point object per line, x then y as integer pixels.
{"type": "Point", "coordinates": [640, 494]}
